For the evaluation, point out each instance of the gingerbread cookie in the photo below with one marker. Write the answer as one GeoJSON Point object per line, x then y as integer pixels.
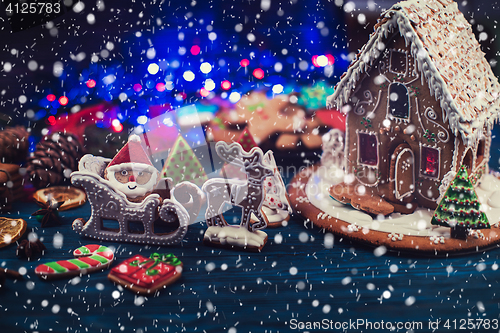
{"type": "Point", "coordinates": [131, 171]}
{"type": "Point", "coordinates": [88, 259]}
{"type": "Point", "coordinates": [248, 194]}
{"type": "Point", "coordinates": [274, 123]}
{"type": "Point", "coordinates": [183, 165]}
{"type": "Point", "coordinates": [108, 202]}
{"type": "Point", "coordinates": [401, 233]}
{"type": "Point", "coordinates": [147, 275]}
{"type": "Point", "coordinates": [11, 230]}
{"type": "Point", "coordinates": [72, 197]}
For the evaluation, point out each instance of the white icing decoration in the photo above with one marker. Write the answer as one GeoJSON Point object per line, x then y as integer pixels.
{"type": "Point", "coordinates": [437, 239]}
{"type": "Point", "coordinates": [393, 236]}
{"type": "Point", "coordinates": [442, 134]}
{"type": "Point", "coordinates": [405, 165]}
{"type": "Point", "coordinates": [360, 105]}
{"type": "Point", "coordinates": [235, 236]}
{"type": "Point", "coordinates": [445, 183]}
{"type": "Point", "coordinates": [476, 234]}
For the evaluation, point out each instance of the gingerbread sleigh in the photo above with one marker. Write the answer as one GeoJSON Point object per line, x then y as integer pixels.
{"type": "Point", "coordinates": [110, 202]}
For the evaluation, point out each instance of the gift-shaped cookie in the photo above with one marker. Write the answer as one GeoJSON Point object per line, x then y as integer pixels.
{"type": "Point", "coordinates": [147, 275]}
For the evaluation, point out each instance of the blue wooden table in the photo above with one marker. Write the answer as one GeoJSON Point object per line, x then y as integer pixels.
{"type": "Point", "coordinates": [293, 283]}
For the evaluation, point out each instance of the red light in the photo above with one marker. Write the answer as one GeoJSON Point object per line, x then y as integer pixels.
{"type": "Point", "coordinates": [137, 87]}
{"type": "Point", "coordinates": [204, 92]}
{"type": "Point", "coordinates": [51, 97]}
{"type": "Point", "coordinates": [226, 85]}
{"type": "Point", "coordinates": [195, 50]}
{"type": "Point", "coordinates": [51, 120]}
{"type": "Point", "coordinates": [91, 83]}
{"type": "Point", "coordinates": [160, 87]}
{"type": "Point", "coordinates": [244, 62]}
{"type": "Point", "coordinates": [331, 59]}
{"type": "Point", "coordinates": [118, 128]}
{"type": "Point", "coordinates": [431, 158]}
{"type": "Point", "coordinates": [315, 60]}
{"type": "Point", "coordinates": [63, 100]}
{"type": "Point", "coordinates": [258, 73]}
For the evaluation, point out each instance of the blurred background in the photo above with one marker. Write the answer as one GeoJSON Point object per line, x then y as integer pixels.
{"type": "Point", "coordinates": [133, 60]}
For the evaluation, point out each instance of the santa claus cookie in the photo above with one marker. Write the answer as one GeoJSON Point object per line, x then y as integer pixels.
{"type": "Point", "coordinates": [131, 171]}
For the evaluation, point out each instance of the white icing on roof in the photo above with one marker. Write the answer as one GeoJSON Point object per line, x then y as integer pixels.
{"type": "Point", "coordinates": [448, 56]}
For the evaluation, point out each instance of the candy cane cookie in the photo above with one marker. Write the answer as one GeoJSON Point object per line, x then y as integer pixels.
{"type": "Point", "coordinates": [88, 259]}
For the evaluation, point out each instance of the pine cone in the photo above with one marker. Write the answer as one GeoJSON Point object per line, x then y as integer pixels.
{"type": "Point", "coordinates": [14, 144]}
{"type": "Point", "coordinates": [56, 156]}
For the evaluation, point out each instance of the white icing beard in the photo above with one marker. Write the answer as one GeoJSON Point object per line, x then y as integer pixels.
{"type": "Point", "coordinates": [132, 189]}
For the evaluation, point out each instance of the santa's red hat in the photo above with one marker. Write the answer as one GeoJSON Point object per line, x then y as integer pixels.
{"type": "Point", "coordinates": [132, 155]}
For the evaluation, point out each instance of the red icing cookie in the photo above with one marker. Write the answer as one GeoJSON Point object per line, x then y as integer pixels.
{"type": "Point", "coordinates": [147, 275]}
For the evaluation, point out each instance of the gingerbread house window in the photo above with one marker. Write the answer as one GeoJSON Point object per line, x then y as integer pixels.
{"type": "Point", "coordinates": [399, 102]}
{"type": "Point", "coordinates": [398, 62]}
{"type": "Point", "coordinates": [480, 151]}
{"type": "Point", "coordinates": [367, 149]}
{"type": "Point", "coordinates": [429, 165]}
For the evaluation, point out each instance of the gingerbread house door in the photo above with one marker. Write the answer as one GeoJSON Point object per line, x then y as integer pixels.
{"type": "Point", "coordinates": [402, 173]}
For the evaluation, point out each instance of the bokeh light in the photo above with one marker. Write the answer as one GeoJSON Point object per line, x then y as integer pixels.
{"type": "Point", "coordinates": [209, 84]}
{"type": "Point", "coordinates": [195, 50]}
{"type": "Point", "coordinates": [188, 76]}
{"type": "Point", "coordinates": [234, 97]}
{"type": "Point", "coordinates": [205, 68]}
{"type": "Point", "coordinates": [153, 68]}
{"type": "Point", "coordinates": [244, 62]}
{"type": "Point", "coordinates": [63, 100]}
{"type": "Point", "coordinates": [226, 85]}
{"type": "Point", "coordinates": [258, 73]}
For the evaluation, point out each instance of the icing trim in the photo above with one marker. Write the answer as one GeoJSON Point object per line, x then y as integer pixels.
{"type": "Point", "coordinates": [396, 192]}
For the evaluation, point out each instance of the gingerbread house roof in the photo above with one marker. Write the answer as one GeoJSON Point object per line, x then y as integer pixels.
{"type": "Point", "coordinates": [448, 56]}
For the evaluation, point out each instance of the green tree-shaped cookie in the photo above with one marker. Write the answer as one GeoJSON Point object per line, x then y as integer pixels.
{"type": "Point", "coordinates": [460, 206]}
{"type": "Point", "coordinates": [183, 165]}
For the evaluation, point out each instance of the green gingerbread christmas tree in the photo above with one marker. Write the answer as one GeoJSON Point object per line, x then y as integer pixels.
{"type": "Point", "coordinates": [183, 165]}
{"type": "Point", "coordinates": [459, 208]}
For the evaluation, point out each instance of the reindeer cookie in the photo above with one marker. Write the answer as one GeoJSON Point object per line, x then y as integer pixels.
{"type": "Point", "coordinates": [276, 206]}
{"type": "Point", "coordinates": [248, 194]}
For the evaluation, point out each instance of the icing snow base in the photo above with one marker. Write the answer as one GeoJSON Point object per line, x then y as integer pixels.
{"type": "Point", "coordinates": [275, 215]}
{"type": "Point", "coordinates": [416, 224]}
{"type": "Point", "coordinates": [235, 236]}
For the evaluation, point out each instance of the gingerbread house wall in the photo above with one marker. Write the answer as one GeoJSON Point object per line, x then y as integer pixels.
{"type": "Point", "coordinates": [418, 132]}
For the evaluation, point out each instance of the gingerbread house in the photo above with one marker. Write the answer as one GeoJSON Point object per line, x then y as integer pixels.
{"type": "Point", "coordinates": [421, 100]}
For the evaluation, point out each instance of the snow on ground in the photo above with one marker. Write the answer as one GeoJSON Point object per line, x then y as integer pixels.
{"type": "Point", "coordinates": [416, 224]}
